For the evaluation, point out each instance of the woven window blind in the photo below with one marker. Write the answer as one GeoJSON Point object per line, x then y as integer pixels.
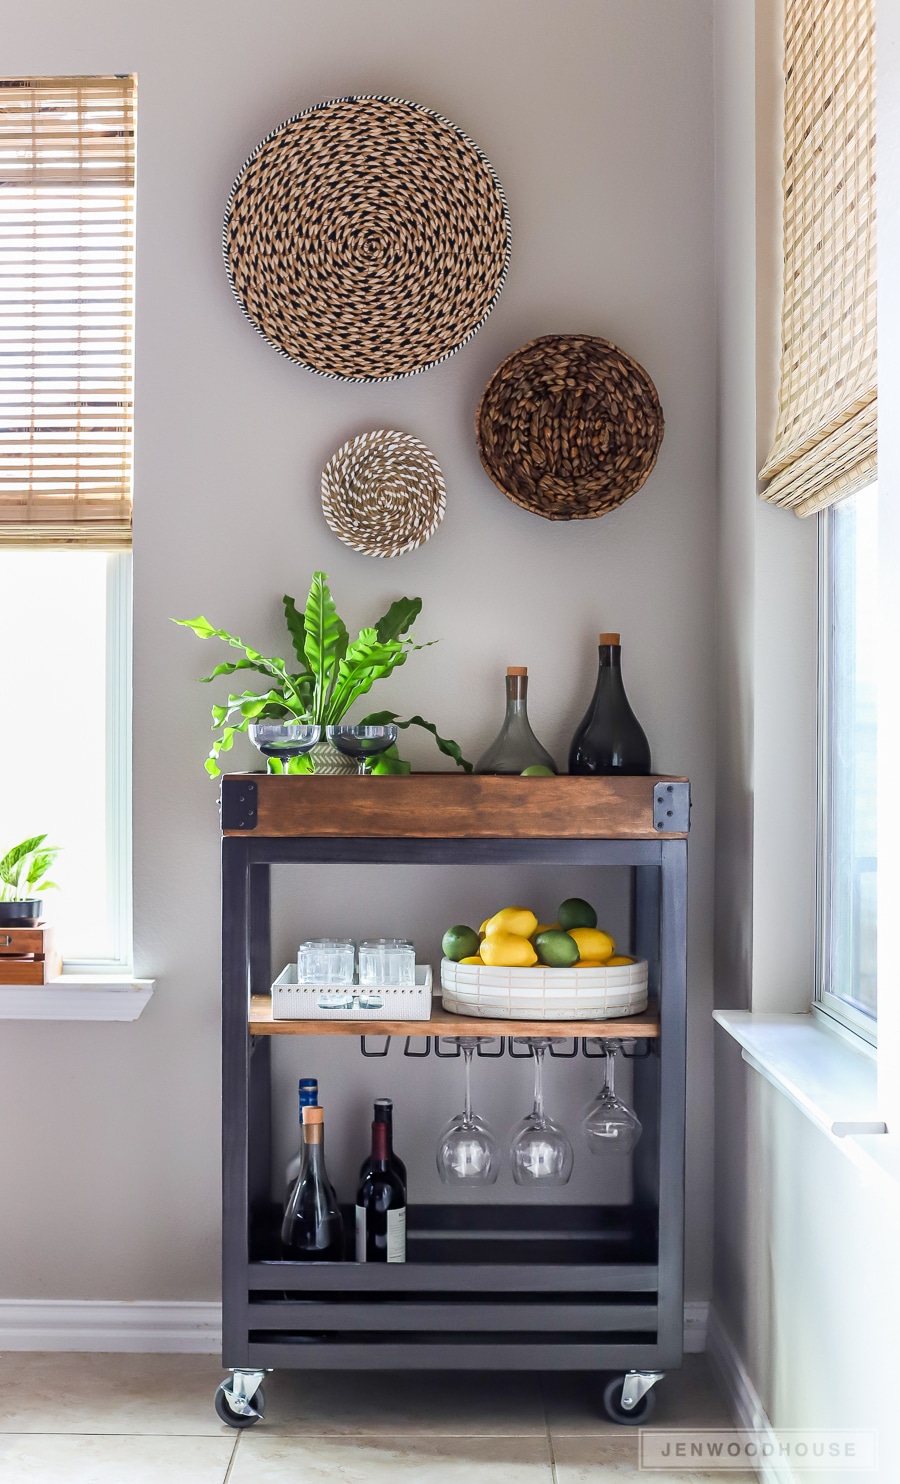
{"type": "Point", "coordinates": [826, 436]}
{"type": "Point", "coordinates": [66, 309]}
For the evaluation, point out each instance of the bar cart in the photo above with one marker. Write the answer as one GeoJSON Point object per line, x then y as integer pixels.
{"type": "Point", "coordinates": [572, 1287]}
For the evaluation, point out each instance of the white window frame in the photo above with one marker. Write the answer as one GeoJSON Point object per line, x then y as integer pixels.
{"type": "Point", "coordinates": [834, 1011]}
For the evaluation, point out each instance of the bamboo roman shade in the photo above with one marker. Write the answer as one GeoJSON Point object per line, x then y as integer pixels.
{"type": "Point", "coordinates": [66, 292]}
{"type": "Point", "coordinates": [826, 436]}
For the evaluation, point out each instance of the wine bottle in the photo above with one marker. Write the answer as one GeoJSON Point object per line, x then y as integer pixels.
{"type": "Point", "coordinates": [516, 748]}
{"type": "Point", "coordinates": [308, 1090]}
{"type": "Point", "coordinates": [610, 739]}
{"type": "Point", "coordinates": [313, 1227]}
{"type": "Point", "coordinates": [380, 1205]}
{"type": "Point", "coordinates": [384, 1113]}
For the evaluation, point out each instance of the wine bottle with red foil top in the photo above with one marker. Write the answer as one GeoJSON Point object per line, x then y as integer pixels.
{"type": "Point", "coordinates": [384, 1113]}
{"type": "Point", "coordinates": [516, 747]}
{"type": "Point", "coordinates": [380, 1204]}
{"type": "Point", "coordinates": [610, 739]}
{"type": "Point", "coordinates": [313, 1228]}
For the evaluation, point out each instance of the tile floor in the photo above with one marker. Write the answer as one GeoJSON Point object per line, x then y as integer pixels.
{"type": "Point", "coordinates": [143, 1419]}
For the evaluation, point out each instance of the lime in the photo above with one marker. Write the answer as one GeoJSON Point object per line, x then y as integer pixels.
{"type": "Point", "coordinates": [537, 770]}
{"type": "Point", "coordinates": [556, 949]}
{"type": "Point", "coordinates": [460, 942]}
{"type": "Point", "coordinates": [576, 913]}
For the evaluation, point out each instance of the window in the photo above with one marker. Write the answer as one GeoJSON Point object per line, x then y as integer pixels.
{"type": "Point", "coordinates": [66, 328]}
{"type": "Point", "coordinates": [848, 732]}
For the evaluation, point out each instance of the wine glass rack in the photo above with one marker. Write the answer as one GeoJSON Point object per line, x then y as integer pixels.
{"type": "Point", "coordinates": [549, 1286]}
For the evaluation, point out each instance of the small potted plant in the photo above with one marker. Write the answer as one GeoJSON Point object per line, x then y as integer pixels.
{"type": "Point", "coordinates": [23, 876]}
{"type": "Point", "coordinates": [331, 672]}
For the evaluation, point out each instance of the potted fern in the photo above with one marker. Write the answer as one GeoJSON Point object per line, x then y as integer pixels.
{"type": "Point", "coordinates": [328, 675]}
{"type": "Point", "coordinates": [23, 877]}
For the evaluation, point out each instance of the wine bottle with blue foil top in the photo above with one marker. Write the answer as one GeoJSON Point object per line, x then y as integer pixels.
{"type": "Point", "coordinates": [610, 739]}
{"type": "Point", "coordinates": [313, 1227]}
{"type": "Point", "coordinates": [308, 1091]}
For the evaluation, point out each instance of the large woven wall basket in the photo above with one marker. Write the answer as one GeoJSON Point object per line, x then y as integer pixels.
{"type": "Point", "coordinates": [569, 426]}
{"type": "Point", "coordinates": [367, 238]}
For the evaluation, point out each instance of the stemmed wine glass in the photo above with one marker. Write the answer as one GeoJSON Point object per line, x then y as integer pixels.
{"type": "Point", "coordinates": [540, 1149]}
{"type": "Point", "coordinates": [467, 1149]}
{"type": "Point", "coordinates": [362, 743]}
{"type": "Point", "coordinates": [280, 741]}
{"type": "Point", "coordinates": [610, 1126]}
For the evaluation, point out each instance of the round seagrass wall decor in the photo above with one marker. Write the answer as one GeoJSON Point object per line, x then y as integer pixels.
{"type": "Point", "coordinates": [367, 238]}
{"type": "Point", "coordinates": [569, 426]}
{"type": "Point", "coordinates": [383, 493]}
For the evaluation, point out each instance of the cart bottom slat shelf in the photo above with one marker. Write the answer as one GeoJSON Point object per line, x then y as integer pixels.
{"type": "Point", "coordinates": [440, 1352]}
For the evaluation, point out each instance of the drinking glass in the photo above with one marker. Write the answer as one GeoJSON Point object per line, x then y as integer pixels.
{"type": "Point", "coordinates": [610, 1126]}
{"type": "Point", "coordinates": [386, 961]}
{"type": "Point", "coordinates": [362, 743]}
{"type": "Point", "coordinates": [325, 961]}
{"type": "Point", "coordinates": [279, 741]}
{"type": "Point", "coordinates": [540, 1149]}
{"type": "Point", "coordinates": [467, 1149]}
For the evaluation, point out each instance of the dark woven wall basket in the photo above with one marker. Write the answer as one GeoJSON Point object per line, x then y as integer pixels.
{"type": "Point", "coordinates": [367, 238]}
{"type": "Point", "coordinates": [569, 427]}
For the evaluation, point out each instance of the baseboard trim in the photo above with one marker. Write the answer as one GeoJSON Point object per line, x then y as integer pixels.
{"type": "Point", "coordinates": [166, 1328]}
{"type": "Point", "coordinates": [142, 1326]}
{"type": "Point", "coordinates": [742, 1396]}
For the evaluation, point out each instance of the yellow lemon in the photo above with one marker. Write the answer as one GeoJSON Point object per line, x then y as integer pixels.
{"type": "Point", "coordinates": [544, 927]}
{"type": "Point", "coordinates": [483, 929]}
{"type": "Point", "coordinates": [474, 958]}
{"type": "Point", "coordinates": [508, 951]}
{"type": "Point", "coordinates": [592, 963]}
{"type": "Point", "coordinates": [618, 958]}
{"type": "Point", "coordinates": [517, 920]}
{"type": "Point", "coordinates": [593, 943]}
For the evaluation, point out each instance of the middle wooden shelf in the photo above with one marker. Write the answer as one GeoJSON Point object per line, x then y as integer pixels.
{"type": "Point", "coordinates": [442, 1023]}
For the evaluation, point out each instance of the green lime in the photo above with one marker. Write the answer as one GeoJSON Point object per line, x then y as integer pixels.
{"type": "Point", "coordinates": [537, 770]}
{"type": "Point", "coordinates": [574, 912]}
{"type": "Point", "coordinates": [556, 949]}
{"type": "Point", "coordinates": [460, 942]}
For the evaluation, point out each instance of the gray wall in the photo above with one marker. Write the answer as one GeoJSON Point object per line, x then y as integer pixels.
{"type": "Point", "coordinates": [597, 115]}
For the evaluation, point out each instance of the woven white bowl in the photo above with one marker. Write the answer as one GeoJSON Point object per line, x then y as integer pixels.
{"type": "Point", "coordinates": [544, 994]}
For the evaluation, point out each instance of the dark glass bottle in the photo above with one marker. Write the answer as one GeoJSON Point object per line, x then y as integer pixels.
{"type": "Point", "coordinates": [380, 1206]}
{"type": "Point", "coordinates": [384, 1113]}
{"type": "Point", "coordinates": [516, 748]}
{"type": "Point", "coordinates": [308, 1094]}
{"type": "Point", "coordinates": [610, 739]}
{"type": "Point", "coordinates": [313, 1227]}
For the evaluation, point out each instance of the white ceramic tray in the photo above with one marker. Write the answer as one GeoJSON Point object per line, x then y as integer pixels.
{"type": "Point", "coordinates": [544, 994]}
{"type": "Point", "coordinates": [293, 1001]}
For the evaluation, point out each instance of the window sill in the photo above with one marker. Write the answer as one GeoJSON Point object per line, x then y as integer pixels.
{"type": "Point", "coordinates": [832, 1083]}
{"type": "Point", "coordinates": [77, 997]}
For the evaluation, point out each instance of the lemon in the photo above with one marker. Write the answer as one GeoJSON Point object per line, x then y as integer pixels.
{"type": "Point", "coordinates": [544, 927]}
{"type": "Point", "coordinates": [473, 958]}
{"type": "Point", "coordinates": [592, 963]}
{"type": "Point", "coordinates": [483, 929]}
{"type": "Point", "coordinates": [618, 958]}
{"type": "Point", "coordinates": [458, 942]}
{"type": "Point", "coordinates": [508, 951]}
{"type": "Point", "coordinates": [517, 920]}
{"type": "Point", "coordinates": [575, 912]}
{"type": "Point", "coordinates": [556, 949]}
{"type": "Point", "coordinates": [593, 943]}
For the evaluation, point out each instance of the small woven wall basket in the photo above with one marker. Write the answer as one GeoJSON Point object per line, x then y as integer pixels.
{"type": "Point", "coordinates": [383, 493]}
{"type": "Point", "coordinates": [569, 426]}
{"type": "Point", "coordinates": [367, 238]}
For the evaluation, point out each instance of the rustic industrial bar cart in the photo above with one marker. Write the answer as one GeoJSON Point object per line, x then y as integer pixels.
{"type": "Point", "coordinates": [570, 1287]}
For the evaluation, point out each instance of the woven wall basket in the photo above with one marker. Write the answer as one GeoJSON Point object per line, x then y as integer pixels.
{"type": "Point", "coordinates": [383, 493]}
{"type": "Point", "coordinates": [569, 426]}
{"type": "Point", "coordinates": [367, 238]}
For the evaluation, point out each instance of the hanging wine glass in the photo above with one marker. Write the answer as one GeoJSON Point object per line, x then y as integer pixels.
{"type": "Point", "coordinates": [540, 1149]}
{"type": "Point", "coordinates": [467, 1149]}
{"type": "Point", "coordinates": [610, 1126]}
{"type": "Point", "coordinates": [363, 743]}
{"type": "Point", "coordinates": [279, 741]}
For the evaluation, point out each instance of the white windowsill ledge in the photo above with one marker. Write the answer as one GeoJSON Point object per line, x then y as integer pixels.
{"type": "Point", "coordinates": [833, 1084]}
{"type": "Point", "coordinates": [77, 997]}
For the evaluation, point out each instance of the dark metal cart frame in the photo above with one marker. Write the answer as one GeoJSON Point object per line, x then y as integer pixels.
{"type": "Point", "coordinates": [573, 1288]}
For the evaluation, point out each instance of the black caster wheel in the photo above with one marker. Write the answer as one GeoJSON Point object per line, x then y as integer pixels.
{"type": "Point", "coordinates": [239, 1419]}
{"type": "Point", "coordinates": [631, 1417]}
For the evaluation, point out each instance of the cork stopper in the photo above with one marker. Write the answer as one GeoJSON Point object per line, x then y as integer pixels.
{"type": "Point", "coordinates": [313, 1115]}
{"type": "Point", "coordinates": [313, 1119]}
{"type": "Point", "coordinates": [517, 669]}
{"type": "Point", "coordinates": [610, 639]}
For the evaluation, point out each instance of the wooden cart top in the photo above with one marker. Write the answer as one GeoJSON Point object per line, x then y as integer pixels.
{"type": "Point", "coordinates": [455, 806]}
